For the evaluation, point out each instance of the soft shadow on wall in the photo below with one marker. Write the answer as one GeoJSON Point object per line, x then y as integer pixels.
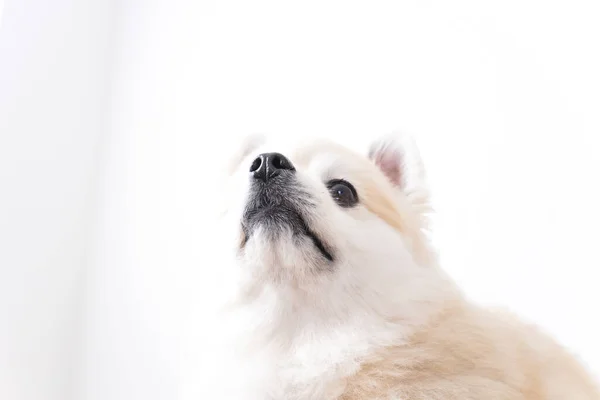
{"type": "Point", "coordinates": [54, 75]}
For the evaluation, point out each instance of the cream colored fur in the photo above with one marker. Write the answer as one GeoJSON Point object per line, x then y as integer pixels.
{"type": "Point", "coordinates": [469, 353]}
{"type": "Point", "coordinates": [387, 323]}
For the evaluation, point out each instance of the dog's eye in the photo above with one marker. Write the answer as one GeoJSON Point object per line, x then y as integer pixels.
{"type": "Point", "coordinates": [343, 192]}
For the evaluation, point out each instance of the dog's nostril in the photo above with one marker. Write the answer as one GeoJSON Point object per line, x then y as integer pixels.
{"type": "Point", "coordinates": [256, 164]}
{"type": "Point", "coordinates": [278, 162]}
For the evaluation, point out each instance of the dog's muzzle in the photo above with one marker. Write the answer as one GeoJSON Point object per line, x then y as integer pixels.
{"type": "Point", "coordinates": [277, 201]}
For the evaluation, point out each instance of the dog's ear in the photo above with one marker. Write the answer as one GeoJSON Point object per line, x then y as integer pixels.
{"type": "Point", "coordinates": [398, 157]}
{"type": "Point", "coordinates": [249, 143]}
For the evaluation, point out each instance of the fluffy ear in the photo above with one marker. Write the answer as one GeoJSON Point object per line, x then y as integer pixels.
{"type": "Point", "coordinates": [398, 157]}
{"type": "Point", "coordinates": [249, 143]}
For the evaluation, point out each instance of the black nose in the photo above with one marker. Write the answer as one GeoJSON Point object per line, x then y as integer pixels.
{"type": "Point", "coordinates": [269, 165]}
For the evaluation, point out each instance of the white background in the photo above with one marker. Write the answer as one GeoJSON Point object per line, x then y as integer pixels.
{"type": "Point", "coordinates": [115, 115]}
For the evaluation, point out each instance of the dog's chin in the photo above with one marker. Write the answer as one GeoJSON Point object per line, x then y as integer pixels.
{"type": "Point", "coordinates": [281, 243]}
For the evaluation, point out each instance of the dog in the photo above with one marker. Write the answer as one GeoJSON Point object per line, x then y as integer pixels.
{"type": "Point", "coordinates": [331, 289]}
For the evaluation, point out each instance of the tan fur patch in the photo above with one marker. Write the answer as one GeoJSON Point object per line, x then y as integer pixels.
{"type": "Point", "coordinates": [471, 354]}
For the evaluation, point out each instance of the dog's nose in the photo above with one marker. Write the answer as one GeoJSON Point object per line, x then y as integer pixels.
{"type": "Point", "coordinates": [269, 165]}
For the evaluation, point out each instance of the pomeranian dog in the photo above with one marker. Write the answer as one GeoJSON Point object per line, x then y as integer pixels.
{"type": "Point", "coordinates": [332, 290]}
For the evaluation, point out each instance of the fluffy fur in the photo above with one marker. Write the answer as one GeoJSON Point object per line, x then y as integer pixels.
{"type": "Point", "coordinates": [382, 321]}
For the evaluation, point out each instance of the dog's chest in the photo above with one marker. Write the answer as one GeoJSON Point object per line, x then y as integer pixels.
{"type": "Point", "coordinates": [301, 355]}
{"type": "Point", "coordinates": [309, 368]}
{"type": "Point", "coordinates": [292, 378]}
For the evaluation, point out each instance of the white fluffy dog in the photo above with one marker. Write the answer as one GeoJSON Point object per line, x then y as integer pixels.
{"type": "Point", "coordinates": [331, 290]}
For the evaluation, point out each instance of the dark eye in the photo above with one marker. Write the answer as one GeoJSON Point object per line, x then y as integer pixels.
{"type": "Point", "coordinates": [343, 192]}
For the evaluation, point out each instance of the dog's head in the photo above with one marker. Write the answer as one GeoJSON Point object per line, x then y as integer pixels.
{"type": "Point", "coordinates": [319, 213]}
{"type": "Point", "coordinates": [326, 256]}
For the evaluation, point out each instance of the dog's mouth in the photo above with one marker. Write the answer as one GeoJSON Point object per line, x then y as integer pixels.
{"type": "Point", "coordinates": [325, 252]}
{"type": "Point", "coordinates": [274, 218]}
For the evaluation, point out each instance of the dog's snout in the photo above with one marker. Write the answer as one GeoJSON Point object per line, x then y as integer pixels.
{"type": "Point", "coordinates": [269, 165]}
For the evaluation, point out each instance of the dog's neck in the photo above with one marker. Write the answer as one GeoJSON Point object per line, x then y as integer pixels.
{"type": "Point", "coordinates": [283, 315]}
{"type": "Point", "coordinates": [299, 340]}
